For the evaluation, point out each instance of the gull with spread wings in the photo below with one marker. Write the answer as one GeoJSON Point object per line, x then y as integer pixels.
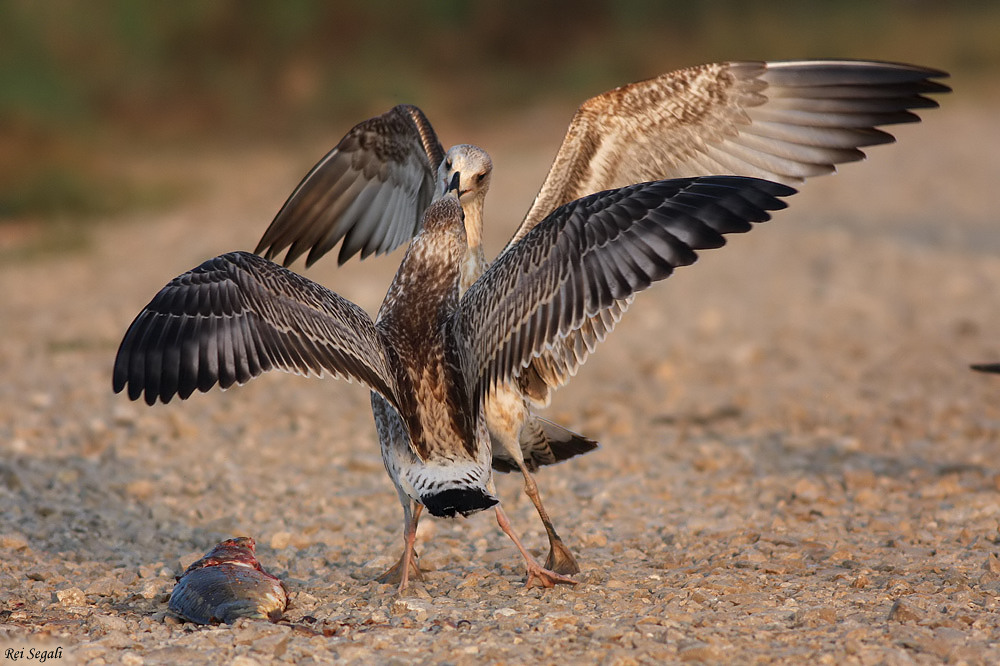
{"type": "Point", "coordinates": [433, 355]}
{"type": "Point", "coordinates": [781, 121]}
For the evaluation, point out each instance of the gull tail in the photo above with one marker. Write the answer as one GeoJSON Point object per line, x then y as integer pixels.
{"type": "Point", "coordinates": [446, 503]}
{"type": "Point", "coordinates": [546, 443]}
{"type": "Point", "coordinates": [562, 442]}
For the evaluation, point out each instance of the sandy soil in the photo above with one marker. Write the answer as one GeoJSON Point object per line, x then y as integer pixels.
{"type": "Point", "coordinates": [797, 465]}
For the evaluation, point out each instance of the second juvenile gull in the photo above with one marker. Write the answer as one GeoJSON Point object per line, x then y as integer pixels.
{"type": "Point", "coordinates": [783, 121]}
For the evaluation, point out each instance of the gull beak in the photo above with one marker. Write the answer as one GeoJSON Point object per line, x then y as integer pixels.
{"type": "Point", "coordinates": [453, 185]}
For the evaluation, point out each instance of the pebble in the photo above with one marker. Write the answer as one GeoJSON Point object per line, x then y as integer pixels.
{"type": "Point", "coordinates": [861, 581]}
{"type": "Point", "coordinates": [903, 611]}
{"type": "Point", "coordinates": [418, 609]}
{"type": "Point", "coordinates": [13, 541]}
{"type": "Point", "coordinates": [117, 639]}
{"type": "Point", "coordinates": [701, 652]}
{"type": "Point", "coordinates": [264, 637]}
{"type": "Point", "coordinates": [607, 632]}
{"type": "Point", "coordinates": [150, 589]}
{"type": "Point", "coordinates": [107, 586]}
{"type": "Point", "coordinates": [72, 596]}
{"type": "Point", "coordinates": [992, 563]}
{"type": "Point", "coordinates": [244, 660]}
{"type": "Point", "coordinates": [816, 617]}
{"type": "Point", "coordinates": [808, 490]}
{"type": "Point", "coordinates": [109, 623]}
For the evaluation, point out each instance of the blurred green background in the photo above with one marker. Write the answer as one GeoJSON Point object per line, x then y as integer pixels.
{"type": "Point", "coordinates": [84, 84]}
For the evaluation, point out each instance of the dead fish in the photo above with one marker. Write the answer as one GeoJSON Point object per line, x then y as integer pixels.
{"type": "Point", "coordinates": [226, 584]}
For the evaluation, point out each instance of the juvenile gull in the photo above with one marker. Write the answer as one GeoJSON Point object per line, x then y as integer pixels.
{"type": "Point", "coordinates": [783, 121]}
{"type": "Point", "coordinates": [433, 355]}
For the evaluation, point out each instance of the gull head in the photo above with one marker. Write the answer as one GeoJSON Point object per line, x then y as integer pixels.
{"type": "Point", "coordinates": [474, 168]}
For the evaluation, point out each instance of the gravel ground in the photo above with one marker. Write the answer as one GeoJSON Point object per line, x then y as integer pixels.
{"type": "Point", "coordinates": [797, 465]}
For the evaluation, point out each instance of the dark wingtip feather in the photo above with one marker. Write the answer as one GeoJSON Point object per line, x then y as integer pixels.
{"type": "Point", "coordinates": [119, 374]}
{"type": "Point", "coordinates": [936, 87]}
{"type": "Point", "coordinates": [290, 257]}
{"type": "Point", "coordinates": [343, 256]}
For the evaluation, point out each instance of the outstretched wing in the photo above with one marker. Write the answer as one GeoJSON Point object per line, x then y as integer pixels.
{"type": "Point", "coordinates": [239, 315]}
{"type": "Point", "coordinates": [592, 253]}
{"type": "Point", "coordinates": [781, 121]}
{"type": "Point", "coordinates": [368, 193]}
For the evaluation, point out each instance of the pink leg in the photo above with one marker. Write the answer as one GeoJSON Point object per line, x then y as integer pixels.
{"type": "Point", "coordinates": [406, 566]}
{"type": "Point", "coordinates": [560, 558]}
{"type": "Point", "coordinates": [537, 574]}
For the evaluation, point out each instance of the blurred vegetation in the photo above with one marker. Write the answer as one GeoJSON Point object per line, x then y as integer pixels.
{"type": "Point", "coordinates": [82, 81]}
